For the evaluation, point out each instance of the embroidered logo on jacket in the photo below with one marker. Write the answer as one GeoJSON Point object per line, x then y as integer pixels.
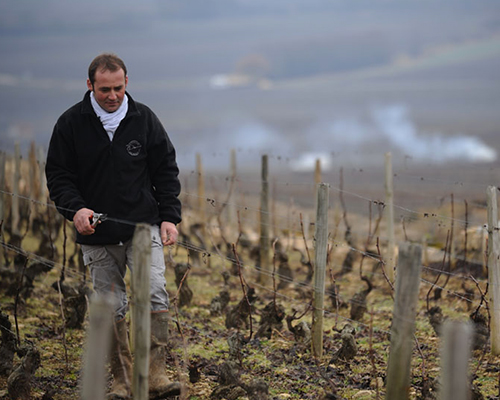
{"type": "Point", "coordinates": [133, 148]}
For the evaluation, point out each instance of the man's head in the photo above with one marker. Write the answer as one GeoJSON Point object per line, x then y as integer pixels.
{"type": "Point", "coordinates": [108, 80]}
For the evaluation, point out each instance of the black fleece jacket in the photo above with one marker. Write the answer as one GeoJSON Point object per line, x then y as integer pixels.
{"type": "Point", "coordinates": [133, 178]}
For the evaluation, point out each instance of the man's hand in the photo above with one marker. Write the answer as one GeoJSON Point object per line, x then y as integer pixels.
{"type": "Point", "coordinates": [169, 233]}
{"type": "Point", "coordinates": [82, 221]}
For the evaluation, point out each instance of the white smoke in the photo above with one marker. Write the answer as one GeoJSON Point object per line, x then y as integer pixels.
{"type": "Point", "coordinates": [358, 140]}
{"type": "Point", "coordinates": [393, 122]}
{"type": "Point", "coordinates": [259, 137]}
{"type": "Point", "coordinates": [250, 140]}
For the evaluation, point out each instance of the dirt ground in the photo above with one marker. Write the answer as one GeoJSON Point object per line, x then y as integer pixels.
{"type": "Point", "coordinates": [274, 359]}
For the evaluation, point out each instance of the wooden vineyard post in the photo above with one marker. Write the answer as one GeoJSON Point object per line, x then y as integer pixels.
{"type": "Point", "coordinates": [97, 348]}
{"type": "Point", "coordinates": [317, 181]}
{"type": "Point", "coordinates": [15, 191]}
{"type": "Point", "coordinates": [455, 355]}
{"type": "Point", "coordinates": [41, 170]}
{"type": "Point", "coordinates": [493, 269]}
{"type": "Point", "coordinates": [274, 223]}
{"type": "Point", "coordinates": [3, 160]}
{"type": "Point", "coordinates": [141, 316]}
{"type": "Point", "coordinates": [201, 197]}
{"type": "Point", "coordinates": [34, 182]}
{"type": "Point", "coordinates": [390, 259]}
{"type": "Point", "coordinates": [317, 173]}
{"type": "Point", "coordinates": [265, 265]}
{"type": "Point", "coordinates": [321, 235]}
{"type": "Point", "coordinates": [33, 174]}
{"type": "Point", "coordinates": [403, 323]}
{"type": "Point", "coordinates": [2, 203]}
{"type": "Point", "coordinates": [231, 207]}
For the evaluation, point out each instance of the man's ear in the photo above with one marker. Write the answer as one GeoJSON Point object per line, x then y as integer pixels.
{"type": "Point", "coordinates": [126, 81]}
{"type": "Point", "coordinates": [89, 85]}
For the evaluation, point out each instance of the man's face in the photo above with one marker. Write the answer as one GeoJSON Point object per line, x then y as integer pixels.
{"type": "Point", "coordinates": [109, 88]}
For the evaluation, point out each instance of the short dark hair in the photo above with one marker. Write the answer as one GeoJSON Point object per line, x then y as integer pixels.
{"type": "Point", "coordinates": [106, 62]}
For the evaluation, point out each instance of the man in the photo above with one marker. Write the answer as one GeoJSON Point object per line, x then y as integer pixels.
{"type": "Point", "coordinates": [110, 154]}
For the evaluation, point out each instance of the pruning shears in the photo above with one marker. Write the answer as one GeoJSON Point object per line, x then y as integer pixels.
{"type": "Point", "coordinates": [97, 218]}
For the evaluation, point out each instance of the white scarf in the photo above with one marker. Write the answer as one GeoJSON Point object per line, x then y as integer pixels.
{"type": "Point", "coordinates": [110, 121]}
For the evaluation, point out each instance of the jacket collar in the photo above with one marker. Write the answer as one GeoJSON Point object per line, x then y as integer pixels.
{"type": "Point", "coordinates": [87, 106]}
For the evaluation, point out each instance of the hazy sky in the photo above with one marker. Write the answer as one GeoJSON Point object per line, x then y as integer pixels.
{"type": "Point", "coordinates": [328, 64]}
